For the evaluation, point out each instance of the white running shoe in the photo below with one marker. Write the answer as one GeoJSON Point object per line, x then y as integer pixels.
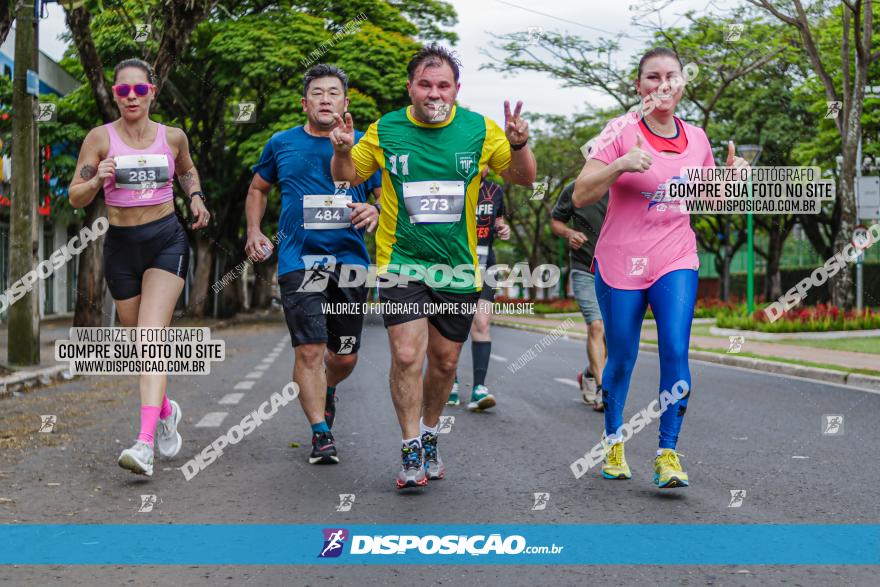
{"type": "Point", "coordinates": [138, 459]}
{"type": "Point", "coordinates": [167, 437]}
{"type": "Point", "coordinates": [589, 389]}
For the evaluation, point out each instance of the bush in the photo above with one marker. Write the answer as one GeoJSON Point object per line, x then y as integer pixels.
{"type": "Point", "coordinates": [710, 308]}
{"type": "Point", "coordinates": [819, 318]}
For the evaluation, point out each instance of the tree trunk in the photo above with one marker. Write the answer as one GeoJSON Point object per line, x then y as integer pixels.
{"type": "Point", "coordinates": [89, 307]}
{"type": "Point", "coordinates": [204, 258]}
{"type": "Point", "coordinates": [841, 284]}
{"type": "Point", "coordinates": [263, 276]}
{"type": "Point", "coordinates": [7, 15]}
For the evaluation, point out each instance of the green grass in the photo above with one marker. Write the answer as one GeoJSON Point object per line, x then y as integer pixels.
{"type": "Point", "coordinates": [867, 344]}
{"type": "Point", "coordinates": [786, 360]}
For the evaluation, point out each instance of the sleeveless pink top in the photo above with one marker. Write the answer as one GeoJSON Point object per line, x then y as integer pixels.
{"type": "Point", "coordinates": [143, 176]}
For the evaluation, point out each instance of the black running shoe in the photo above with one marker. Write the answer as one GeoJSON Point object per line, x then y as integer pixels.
{"type": "Point", "coordinates": [323, 449]}
{"type": "Point", "coordinates": [330, 409]}
{"type": "Point", "coordinates": [412, 473]}
{"type": "Point", "coordinates": [434, 467]}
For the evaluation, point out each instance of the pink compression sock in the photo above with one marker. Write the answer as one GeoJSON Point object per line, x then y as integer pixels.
{"type": "Point", "coordinates": [149, 418]}
{"type": "Point", "coordinates": [166, 408]}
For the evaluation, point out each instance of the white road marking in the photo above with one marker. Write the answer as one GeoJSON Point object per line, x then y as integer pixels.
{"type": "Point", "coordinates": [212, 419]}
{"type": "Point", "coordinates": [269, 359]}
{"type": "Point", "coordinates": [799, 457]}
{"type": "Point", "coordinates": [262, 367]}
{"type": "Point", "coordinates": [498, 358]}
{"type": "Point", "coordinates": [571, 382]}
{"type": "Point", "coordinates": [244, 385]}
{"type": "Point", "coordinates": [231, 399]}
{"type": "Point", "coordinates": [254, 375]}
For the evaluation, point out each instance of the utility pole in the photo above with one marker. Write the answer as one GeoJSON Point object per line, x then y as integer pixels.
{"type": "Point", "coordinates": [24, 314]}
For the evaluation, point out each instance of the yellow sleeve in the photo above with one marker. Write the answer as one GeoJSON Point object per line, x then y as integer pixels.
{"type": "Point", "coordinates": [366, 154]}
{"type": "Point", "coordinates": [496, 148]}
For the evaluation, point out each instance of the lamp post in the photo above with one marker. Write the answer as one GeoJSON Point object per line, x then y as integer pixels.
{"type": "Point", "coordinates": [750, 153]}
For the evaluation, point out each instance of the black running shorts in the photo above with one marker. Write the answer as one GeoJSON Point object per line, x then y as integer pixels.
{"type": "Point", "coordinates": [317, 309]}
{"type": "Point", "coordinates": [130, 250]}
{"type": "Point", "coordinates": [450, 313]}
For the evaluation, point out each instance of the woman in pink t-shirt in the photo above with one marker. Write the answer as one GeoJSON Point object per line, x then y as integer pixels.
{"type": "Point", "coordinates": [146, 252]}
{"type": "Point", "coordinates": [646, 254]}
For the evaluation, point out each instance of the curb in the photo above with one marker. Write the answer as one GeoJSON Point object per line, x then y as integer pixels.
{"type": "Point", "coordinates": [864, 382]}
{"type": "Point", "coordinates": [29, 380]}
{"type": "Point", "coordinates": [770, 336]}
{"type": "Point", "coordinates": [23, 381]}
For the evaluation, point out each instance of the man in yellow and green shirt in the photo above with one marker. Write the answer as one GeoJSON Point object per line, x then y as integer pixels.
{"type": "Point", "coordinates": [431, 155]}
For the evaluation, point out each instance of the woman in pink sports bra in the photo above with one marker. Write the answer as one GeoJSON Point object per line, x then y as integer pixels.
{"type": "Point", "coordinates": [146, 251]}
{"type": "Point", "coordinates": [646, 253]}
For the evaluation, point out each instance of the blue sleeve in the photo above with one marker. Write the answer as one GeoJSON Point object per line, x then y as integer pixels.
{"type": "Point", "coordinates": [266, 165]}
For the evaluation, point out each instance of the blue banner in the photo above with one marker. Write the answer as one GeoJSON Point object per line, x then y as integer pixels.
{"type": "Point", "coordinates": [490, 544]}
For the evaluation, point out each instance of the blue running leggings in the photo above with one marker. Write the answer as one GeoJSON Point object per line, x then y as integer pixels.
{"type": "Point", "coordinates": [672, 300]}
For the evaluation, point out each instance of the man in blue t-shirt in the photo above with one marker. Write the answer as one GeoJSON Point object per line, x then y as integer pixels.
{"type": "Point", "coordinates": [322, 224]}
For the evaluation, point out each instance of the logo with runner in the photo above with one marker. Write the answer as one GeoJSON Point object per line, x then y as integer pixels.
{"type": "Point", "coordinates": [47, 423]}
{"type": "Point", "coordinates": [736, 343]}
{"type": "Point", "coordinates": [334, 540]}
{"type": "Point", "coordinates": [346, 345]}
{"type": "Point", "coordinates": [832, 424]}
{"type": "Point", "coordinates": [737, 496]}
{"type": "Point", "coordinates": [445, 425]}
{"type": "Point", "coordinates": [466, 164]}
{"type": "Point", "coordinates": [346, 500]}
{"type": "Point", "coordinates": [541, 501]}
{"type": "Point", "coordinates": [147, 503]}
{"type": "Point", "coordinates": [638, 265]}
{"type": "Point", "coordinates": [317, 273]}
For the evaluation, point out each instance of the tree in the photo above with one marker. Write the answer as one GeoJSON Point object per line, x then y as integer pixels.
{"type": "Point", "coordinates": [856, 54]}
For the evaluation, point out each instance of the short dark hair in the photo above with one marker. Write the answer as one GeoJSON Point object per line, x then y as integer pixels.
{"type": "Point", "coordinates": [658, 52]}
{"type": "Point", "coordinates": [433, 55]}
{"type": "Point", "coordinates": [137, 63]}
{"type": "Point", "coordinates": [324, 70]}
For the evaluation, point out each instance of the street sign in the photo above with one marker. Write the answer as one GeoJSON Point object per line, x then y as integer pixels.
{"type": "Point", "coordinates": [33, 83]}
{"type": "Point", "coordinates": [868, 197]}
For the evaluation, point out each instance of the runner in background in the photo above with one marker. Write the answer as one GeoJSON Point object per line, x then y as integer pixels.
{"type": "Point", "coordinates": [323, 228]}
{"type": "Point", "coordinates": [582, 237]}
{"type": "Point", "coordinates": [490, 221]}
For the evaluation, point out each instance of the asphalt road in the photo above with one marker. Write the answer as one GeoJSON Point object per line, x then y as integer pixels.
{"type": "Point", "coordinates": [744, 431]}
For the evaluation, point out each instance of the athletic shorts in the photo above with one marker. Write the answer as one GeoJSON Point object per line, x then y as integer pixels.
{"type": "Point", "coordinates": [488, 293]}
{"type": "Point", "coordinates": [130, 250]}
{"type": "Point", "coordinates": [584, 285]}
{"type": "Point", "coordinates": [318, 310]}
{"type": "Point", "coordinates": [414, 300]}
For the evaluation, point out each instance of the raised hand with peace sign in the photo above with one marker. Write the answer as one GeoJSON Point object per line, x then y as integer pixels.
{"type": "Point", "coordinates": [516, 129]}
{"type": "Point", "coordinates": [342, 137]}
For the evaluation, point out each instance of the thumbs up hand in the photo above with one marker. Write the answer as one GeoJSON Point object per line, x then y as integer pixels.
{"type": "Point", "coordinates": [636, 160]}
{"type": "Point", "coordinates": [732, 159]}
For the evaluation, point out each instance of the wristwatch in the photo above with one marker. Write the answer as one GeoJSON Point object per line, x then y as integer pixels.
{"type": "Point", "coordinates": [197, 193]}
{"type": "Point", "coordinates": [519, 146]}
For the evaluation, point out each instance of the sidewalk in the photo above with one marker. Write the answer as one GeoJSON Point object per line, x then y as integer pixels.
{"type": "Point", "coordinates": [766, 351]}
{"type": "Point", "coordinates": [17, 379]}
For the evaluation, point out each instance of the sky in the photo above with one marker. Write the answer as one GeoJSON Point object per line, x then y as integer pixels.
{"type": "Point", "coordinates": [485, 91]}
